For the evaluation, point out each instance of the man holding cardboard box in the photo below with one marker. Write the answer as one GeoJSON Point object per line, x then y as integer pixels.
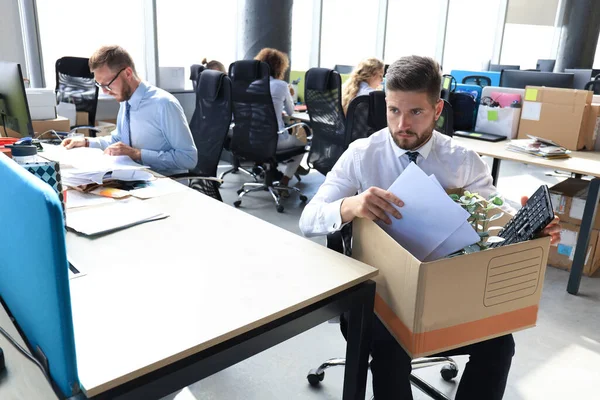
{"type": "Point", "coordinates": [151, 126]}
{"type": "Point", "coordinates": [370, 165]}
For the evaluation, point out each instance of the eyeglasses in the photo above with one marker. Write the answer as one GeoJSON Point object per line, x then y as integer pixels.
{"type": "Point", "coordinates": [107, 86]}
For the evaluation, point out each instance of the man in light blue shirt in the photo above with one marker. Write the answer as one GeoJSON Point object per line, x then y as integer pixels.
{"type": "Point", "coordinates": [151, 126]}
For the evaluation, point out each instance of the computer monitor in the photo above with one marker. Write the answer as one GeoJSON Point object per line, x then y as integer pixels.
{"type": "Point", "coordinates": [343, 69]}
{"type": "Point", "coordinates": [545, 65]}
{"type": "Point", "coordinates": [14, 110]}
{"type": "Point", "coordinates": [501, 67]}
{"type": "Point", "coordinates": [520, 79]}
{"type": "Point", "coordinates": [582, 76]}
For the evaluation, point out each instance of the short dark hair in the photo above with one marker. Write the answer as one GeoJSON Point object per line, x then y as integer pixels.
{"type": "Point", "coordinates": [114, 57]}
{"type": "Point", "coordinates": [278, 61]}
{"type": "Point", "coordinates": [415, 74]}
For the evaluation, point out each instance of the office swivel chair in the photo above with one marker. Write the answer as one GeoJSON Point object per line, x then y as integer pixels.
{"type": "Point", "coordinates": [477, 80]}
{"type": "Point", "coordinates": [195, 71]}
{"type": "Point", "coordinates": [445, 123]}
{"type": "Point", "coordinates": [364, 116]}
{"type": "Point", "coordinates": [323, 92]}
{"type": "Point", "coordinates": [209, 126]}
{"type": "Point", "coordinates": [75, 84]}
{"type": "Point", "coordinates": [593, 86]}
{"type": "Point", "coordinates": [256, 130]}
{"type": "Point", "coordinates": [545, 65]}
{"type": "Point", "coordinates": [341, 242]}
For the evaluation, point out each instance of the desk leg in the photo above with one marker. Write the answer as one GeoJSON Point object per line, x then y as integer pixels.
{"type": "Point", "coordinates": [589, 216]}
{"type": "Point", "coordinates": [495, 171]}
{"type": "Point", "coordinates": [360, 326]}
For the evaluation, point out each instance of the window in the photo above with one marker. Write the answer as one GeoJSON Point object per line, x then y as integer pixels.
{"type": "Point", "coordinates": [75, 29]}
{"type": "Point", "coordinates": [189, 31]}
{"type": "Point", "coordinates": [302, 29]}
{"type": "Point", "coordinates": [470, 34]}
{"type": "Point", "coordinates": [413, 27]}
{"type": "Point", "coordinates": [348, 31]}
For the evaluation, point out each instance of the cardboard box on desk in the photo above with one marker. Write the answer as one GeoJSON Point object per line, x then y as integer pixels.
{"type": "Point", "coordinates": [568, 200]}
{"type": "Point", "coordinates": [560, 115]}
{"type": "Point", "coordinates": [431, 307]}
{"type": "Point", "coordinates": [59, 124]}
{"type": "Point", "coordinates": [561, 256]}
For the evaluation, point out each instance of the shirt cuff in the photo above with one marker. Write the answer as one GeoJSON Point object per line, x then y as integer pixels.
{"type": "Point", "coordinates": [333, 216]}
{"type": "Point", "coordinates": [94, 143]}
{"type": "Point", "coordinates": [148, 157]}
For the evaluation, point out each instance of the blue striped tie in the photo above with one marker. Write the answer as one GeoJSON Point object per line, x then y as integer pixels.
{"type": "Point", "coordinates": [412, 156]}
{"type": "Point", "coordinates": [126, 129]}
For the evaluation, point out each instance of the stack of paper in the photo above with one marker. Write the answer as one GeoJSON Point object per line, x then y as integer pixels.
{"type": "Point", "coordinates": [82, 166]}
{"type": "Point", "coordinates": [538, 147]}
{"type": "Point", "coordinates": [432, 224]}
{"type": "Point", "coordinates": [111, 217]}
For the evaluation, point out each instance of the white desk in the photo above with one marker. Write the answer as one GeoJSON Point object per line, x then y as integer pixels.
{"type": "Point", "coordinates": [167, 303]}
{"type": "Point", "coordinates": [581, 163]}
{"type": "Point", "coordinates": [22, 378]}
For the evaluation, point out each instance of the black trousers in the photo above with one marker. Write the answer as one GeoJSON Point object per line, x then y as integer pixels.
{"type": "Point", "coordinates": [484, 377]}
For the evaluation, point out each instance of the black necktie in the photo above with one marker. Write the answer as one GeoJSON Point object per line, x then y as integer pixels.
{"type": "Point", "coordinates": [412, 156]}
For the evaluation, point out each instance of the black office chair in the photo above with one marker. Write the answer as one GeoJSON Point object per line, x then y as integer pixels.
{"type": "Point", "coordinates": [323, 89]}
{"type": "Point", "coordinates": [75, 84]}
{"type": "Point", "coordinates": [195, 71]}
{"type": "Point", "coordinates": [545, 65]}
{"type": "Point", "coordinates": [478, 80]}
{"type": "Point", "coordinates": [593, 85]}
{"type": "Point", "coordinates": [364, 116]}
{"type": "Point", "coordinates": [445, 123]}
{"type": "Point", "coordinates": [209, 126]}
{"type": "Point", "coordinates": [255, 132]}
{"type": "Point", "coordinates": [341, 242]}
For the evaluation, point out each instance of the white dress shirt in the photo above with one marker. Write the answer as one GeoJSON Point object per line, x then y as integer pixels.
{"type": "Point", "coordinates": [378, 161]}
{"type": "Point", "coordinates": [364, 89]}
{"type": "Point", "coordinates": [282, 100]}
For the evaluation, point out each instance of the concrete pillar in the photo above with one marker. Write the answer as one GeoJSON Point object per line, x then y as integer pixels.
{"type": "Point", "coordinates": [580, 30]}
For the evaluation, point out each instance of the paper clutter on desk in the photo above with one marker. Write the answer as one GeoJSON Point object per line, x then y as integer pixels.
{"type": "Point", "coordinates": [432, 224]}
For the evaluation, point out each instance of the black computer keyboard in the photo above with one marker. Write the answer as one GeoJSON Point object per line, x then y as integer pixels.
{"type": "Point", "coordinates": [530, 220]}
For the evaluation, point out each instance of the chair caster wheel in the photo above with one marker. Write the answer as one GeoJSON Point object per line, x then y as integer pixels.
{"type": "Point", "coordinates": [449, 372]}
{"type": "Point", "coordinates": [239, 191]}
{"type": "Point", "coordinates": [315, 379]}
{"type": "Point", "coordinates": [280, 209]}
{"type": "Point", "coordinates": [237, 203]}
{"type": "Point", "coordinates": [303, 198]}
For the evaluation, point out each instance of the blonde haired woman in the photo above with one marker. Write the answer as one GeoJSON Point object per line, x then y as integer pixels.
{"type": "Point", "coordinates": [366, 77]}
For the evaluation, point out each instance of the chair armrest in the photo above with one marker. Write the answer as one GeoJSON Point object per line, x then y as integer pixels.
{"type": "Point", "coordinates": [302, 124]}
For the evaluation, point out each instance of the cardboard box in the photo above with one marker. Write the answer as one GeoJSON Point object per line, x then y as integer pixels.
{"type": "Point", "coordinates": [431, 307]}
{"type": "Point", "coordinates": [561, 256]}
{"type": "Point", "coordinates": [60, 124]}
{"type": "Point", "coordinates": [568, 200]}
{"type": "Point", "coordinates": [560, 115]}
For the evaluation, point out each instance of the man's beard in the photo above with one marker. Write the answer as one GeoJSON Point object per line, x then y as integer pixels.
{"type": "Point", "coordinates": [421, 138]}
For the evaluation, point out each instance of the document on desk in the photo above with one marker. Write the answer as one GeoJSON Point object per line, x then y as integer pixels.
{"type": "Point", "coordinates": [429, 215]}
{"type": "Point", "coordinates": [159, 187]}
{"type": "Point", "coordinates": [112, 217]}
{"type": "Point", "coordinates": [77, 199]}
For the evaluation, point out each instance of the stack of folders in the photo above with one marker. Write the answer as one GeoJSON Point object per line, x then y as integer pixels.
{"type": "Point", "coordinates": [432, 226]}
{"type": "Point", "coordinates": [538, 147]}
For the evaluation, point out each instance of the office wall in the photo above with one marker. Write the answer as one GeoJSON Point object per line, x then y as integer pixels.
{"type": "Point", "coordinates": [531, 12]}
{"type": "Point", "coordinates": [11, 39]}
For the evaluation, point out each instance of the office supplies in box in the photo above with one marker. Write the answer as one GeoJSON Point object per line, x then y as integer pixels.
{"type": "Point", "coordinates": [561, 255]}
{"type": "Point", "coordinates": [42, 103]}
{"type": "Point", "coordinates": [494, 292]}
{"type": "Point", "coordinates": [560, 115]}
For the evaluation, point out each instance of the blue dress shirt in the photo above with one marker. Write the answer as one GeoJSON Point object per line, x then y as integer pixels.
{"type": "Point", "coordinates": [158, 128]}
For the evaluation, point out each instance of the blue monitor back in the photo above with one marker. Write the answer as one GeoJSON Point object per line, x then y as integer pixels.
{"type": "Point", "coordinates": [34, 281]}
{"type": "Point", "coordinates": [460, 74]}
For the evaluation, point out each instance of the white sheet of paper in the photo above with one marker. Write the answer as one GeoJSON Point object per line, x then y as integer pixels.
{"type": "Point", "coordinates": [106, 218]}
{"type": "Point", "coordinates": [428, 218]}
{"type": "Point", "coordinates": [159, 187]}
{"type": "Point", "coordinates": [464, 236]}
{"type": "Point", "coordinates": [76, 199]}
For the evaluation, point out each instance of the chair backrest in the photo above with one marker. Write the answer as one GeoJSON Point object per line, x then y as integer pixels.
{"type": "Point", "coordinates": [211, 119]}
{"type": "Point", "coordinates": [255, 129]}
{"type": "Point", "coordinates": [478, 80]}
{"type": "Point", "coordinates": [323, 92]}
{"type": "Point", "coordinates": [195, 70]}
{"type": "Point", "coordinates": [34, 282]}
{"type": "Point", "coordinates": [366, 115]}
{"type": "Point", "coordinates": [445, 123]}
{"type": "Point", "coordinates": [75, 84]}
{"type": "Point", "coordinates": [593, 86]}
